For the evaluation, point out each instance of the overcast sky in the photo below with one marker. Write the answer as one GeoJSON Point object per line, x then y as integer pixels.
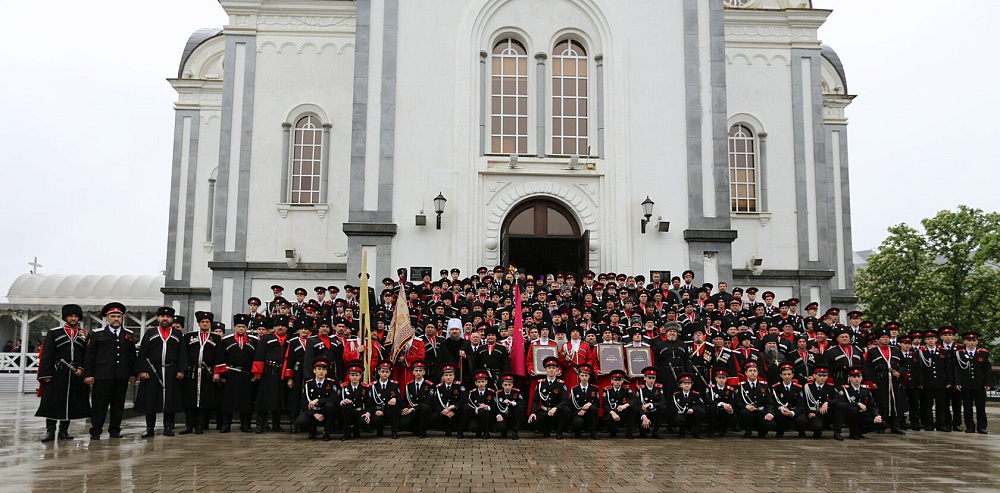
{"type": "Point", "coordinates": [86, 122]}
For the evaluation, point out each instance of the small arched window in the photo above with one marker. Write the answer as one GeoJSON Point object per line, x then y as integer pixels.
{"type": "Point", "coordinates": [742, 169]}
{"type": "Point", "coordinates": [509, 101]}
{"type": "Point", "coordinates": [307, 161]}
{"type": "Point", "coordinates": [569, 99]}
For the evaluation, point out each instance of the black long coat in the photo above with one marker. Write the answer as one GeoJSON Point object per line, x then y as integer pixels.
{"type": "Point", "coordinates": [269, 365]}
{"type": "Point", "coordinates": [162, 357]}
{"type": "Point", "coordinates": [237, 391]}
{"type": "Point", "coordinates": [199, 389]}
{"type": "Point", "coordinates": [888, 391]}
{"type": "Point", "coordinates": [65, 396]}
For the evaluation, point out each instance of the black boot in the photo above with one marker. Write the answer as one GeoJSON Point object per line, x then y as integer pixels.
{"type": "Point", "coordinates": [513, 435]}
{"type": "Point", "coordinates": [148, 433]}
{"type": "Point", "coordinates": [64, 431]}
{"type": "Point", "coordinates": [168, 431]}
{"type": "Point", "coordinates": [50, 436]}
{"type": "Point", "coordinates": [186, 431]}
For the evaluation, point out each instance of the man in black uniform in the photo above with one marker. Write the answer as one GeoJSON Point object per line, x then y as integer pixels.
{"type": "Point", "coordinates": [322, 345]}
{"type": "Point", "coordinates": [60, 375]}
{"type": "Point", "coordinates": [756, 405]}
{"type": "Point", "coordinates": [884, 367]}
{"type": "Point", "coordinates": [973, 377]}
{"type": "Point", "coordinates": [947, 334]}
{"type": "Point", "coordinates": [510, 407]}
{"type": "Point", "coordinates": [236, 365]}
{"type": "Point", "coordinates": [269, 367]}
{"type": "Point", "coordinates": [933, 372]}
{"type": "Point", "coordinates": [582, 404]}
{"type": "Point", "coordinates": [416, 411]}
{"type": "Point", "coordinates": [355, 402]}
{"type": "Point", "coordinates": [859, 405]}
{"type": "Point", "coordinates": [385, 401]}
{"type": "Point", "coordinates": [449, 405]}
{"type": "Point", "coordinates": [319, 402]}
{"type": "Point", "coordinates": [109, 365]}
{"type": "Point", "coordinates": [789, 402]}
{"type": "Point", "coordinates": [201, 384]}
{"type": "Point", "coordinates": [720, 404]}
{"type": "Point", "coordinates": [688, 408]}
{"type": "Point", "coordinates": [493, 357]}
{"type": "Point", "coordinates": [549, 393]}
{"type": "Point", "coordinates": [671, 357]}
{"type": "Point", "coordinates": [823, 405]}
{"type": "Point", "coordinates": [161, 363]}
{"type": "Point", "coordinates": [481, 403]}
{"type": "Point", "coordinates": [617, 404]}
{"type": "Point", "coordinates": [649, 402]}
{"type": "Point", "coordinates": [297, 369]}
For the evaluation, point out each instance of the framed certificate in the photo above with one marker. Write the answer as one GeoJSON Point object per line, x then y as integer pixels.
{"type": "Point", "coordinates": [638, 358]}
{"type": "Point", "coordinates": [611, 357]}
{"type": "Point", "coordinates": [538, 355]}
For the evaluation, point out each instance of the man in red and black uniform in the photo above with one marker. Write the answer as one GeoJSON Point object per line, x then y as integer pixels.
{"type": "Point", "coordinates": [60, 372]}
{"type": "Point", "coordinates": [269, 367]}
{"type": "Point", "coordinates": [161, 364]}
{"type": "Point", "coordinates": [201, 384]}
{"type": "Point", "coordinates": [238, 351]}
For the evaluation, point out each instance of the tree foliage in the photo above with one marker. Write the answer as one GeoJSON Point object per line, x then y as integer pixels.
{"type": "Point", "coordinates": [949, 274]}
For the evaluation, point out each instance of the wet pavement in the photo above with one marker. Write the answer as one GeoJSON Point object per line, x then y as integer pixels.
{"type": "Point", "coordinates": [919, 461]}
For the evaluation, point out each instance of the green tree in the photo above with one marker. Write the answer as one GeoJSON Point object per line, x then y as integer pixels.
{"type": "Point", "coordinates": [946, 275]}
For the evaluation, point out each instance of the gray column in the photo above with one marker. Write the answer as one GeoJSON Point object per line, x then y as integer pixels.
{"type": "Point", "coordinates": [324, 183]}
{"type": "Point", "coordinates": [600, 105]}
{"type": "Point", "coordinates": [211, 209]}
{"type": "Point", "coordinates": [286, 144]}
{"type": "Point", "coordinates": [762, 172]}
{"type": "Point", "coordinates": [483, 98]}
{"type": "Point", "coordinates": [540, 105]}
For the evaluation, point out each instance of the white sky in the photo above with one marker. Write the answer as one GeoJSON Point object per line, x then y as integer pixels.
{"type": "Point", "coordinates": [86, 122]}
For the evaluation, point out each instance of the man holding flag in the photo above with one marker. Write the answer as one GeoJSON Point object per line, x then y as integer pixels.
{"type": "Point", "coordinates": [404, 349]}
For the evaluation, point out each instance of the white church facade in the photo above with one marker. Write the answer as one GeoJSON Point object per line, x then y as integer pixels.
{"type": "Point", "coordinates": [310, 131]}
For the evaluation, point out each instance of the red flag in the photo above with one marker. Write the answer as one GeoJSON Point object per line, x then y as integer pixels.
{"type": "Point", "coordinates": [517, 345]}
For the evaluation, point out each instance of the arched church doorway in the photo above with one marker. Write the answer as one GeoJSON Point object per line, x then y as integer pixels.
{"type": "Point", "coordinates": [542, 236]}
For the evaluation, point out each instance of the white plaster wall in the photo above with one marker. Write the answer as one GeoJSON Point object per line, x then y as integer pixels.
{"type": "Point", "coordinates": [315, 70]}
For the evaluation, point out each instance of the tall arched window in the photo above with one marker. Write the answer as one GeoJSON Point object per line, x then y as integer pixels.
{"type": "Point", "coordinates": [307, 161]}
{"type": "Point", "coordinates": [742, 169]}
{"type": "Point", "coordinates": [509, 98]}
{"type": "Point", "coordinates": [569, 99]}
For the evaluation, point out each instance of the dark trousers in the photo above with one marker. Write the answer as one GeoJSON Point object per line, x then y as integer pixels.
{"type": "Point", "coordinates": [168, 420]}
{"type": "Point", "coordinates": [477, 422]}
{"type": "Point", "coordinates": [197, 417]}
{"type": "Point", "coordinates": [935, 401]}
{"type": "Point", "coordinates": [275, 419]}
{"type": "Point", "coordinates": [545, 423]}
{"type": "Point", "coordinates": [50, 425]}
{"type": "Point", "coordinates": [390, 416]}
{"type": "Point", "coordinates": [580, 424]}
{"type": "Point", "coordinates": [719, 421]}
{"type": "Point", "coordinates": [861, 422]}
{"type": "Point", "coordinates": [458, 422]}
{"type": "Point", "coordinates": [833, 418]}
{"type": "Point", "coordinates": [689, 423]}
{"type": "Point", "coordinates": [306, 421]}
{"type": "Point", "coordinates": [782, 423]}
{"type": "Point", "coordinates": [353, 420]}
{"type": "Point", "coordinates": [955, 398]}
{"type": "Point", "coordinates": [977, 397]}
{"type": "Point", "coordinates": [754, 421]}
{"type": "Point", "coordinates": [511, 421]}
{"type": "Point", "coordinates": [245, 420]}
{"type": "Point", "coordinates": [655, 417]}
{"type": "Point", "coordinates": [624, 419]}
{"type": "Point", "coordinates": [105, 394]}
{"type": "Point", "coordinates": [916, 407]}
{"type": "Point", "coordinates": [417, 421]}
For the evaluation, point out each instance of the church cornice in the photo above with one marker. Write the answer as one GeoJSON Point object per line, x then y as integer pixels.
{"type": "Point", "coordinates": [291, 17]}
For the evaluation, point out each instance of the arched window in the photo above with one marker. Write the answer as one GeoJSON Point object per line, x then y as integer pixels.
{"type": "Point", "coordinates": [742, 169]}
{"type": "Point", "coordinates": [307, 161]}
{"type": "Point", "coordinates": [509, 98]}
{"type": "Point", "coordinates": [569, 99]}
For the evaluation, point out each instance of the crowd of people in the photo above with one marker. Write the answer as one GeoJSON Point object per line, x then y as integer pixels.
{"type": "Point", "coordinates": [608, 353]}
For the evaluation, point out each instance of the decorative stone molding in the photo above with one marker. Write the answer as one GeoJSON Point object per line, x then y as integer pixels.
{"type": "Point", "coordinates": [320, 209]}
{"type": "Point", "coordinates": [508, 196]}
{"type": "Point", "coordinates": [758, 58]}
{"type": "Point", "coordinates": [307, 48]}
{"type": "Point", "coordinates": [327, 24]}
